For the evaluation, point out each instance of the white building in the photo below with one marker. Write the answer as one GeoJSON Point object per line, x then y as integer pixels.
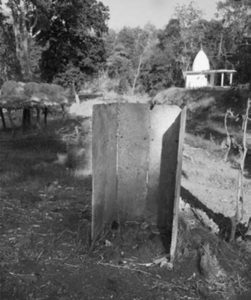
{"type": "Point", "coordinates": [202, 76]}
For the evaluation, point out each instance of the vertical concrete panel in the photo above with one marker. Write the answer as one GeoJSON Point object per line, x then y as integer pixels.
{"type": "Point", "coordinates": [167, 181]}
{"type": "Point", "coordinates": [104, 180]}
{"type": "Point", "coordinates": [161, 119]}
{"type": "Point", "coordinates": [133, 149]}
{"type": "Point", "coordinates": [178, 175]}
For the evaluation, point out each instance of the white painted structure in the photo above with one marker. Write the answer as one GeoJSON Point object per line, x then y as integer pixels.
{"type": "Point", "coordinates": [201, 62]}
{"type": "Point", "coordinates": [202, 76]}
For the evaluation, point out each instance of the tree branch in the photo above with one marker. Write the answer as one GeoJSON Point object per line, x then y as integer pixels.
{"type": "Point", "coordinates": [240, 192]}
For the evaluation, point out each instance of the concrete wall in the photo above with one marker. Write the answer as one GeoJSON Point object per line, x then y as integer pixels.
{"type": "Point", "coordinates": [161, 119]}
{"type": "Point", "coordinates": [196, 81]}
{"type": "Point", "coordinates": [134, 160]}
{"type": "Point", "coordinates": [104, 174]}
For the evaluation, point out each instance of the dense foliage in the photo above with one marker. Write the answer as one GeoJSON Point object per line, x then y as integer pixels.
{"type": "Point", "coordinates": [163, 55]}
{"type": "Point", "coordinates": [56, 38]}
{"type": "Point", "coordinates": [68, 42]}
{"type": "Point", "coordinates": [72, 34]}
{"type": "Point", "coordinates": [9, 65]}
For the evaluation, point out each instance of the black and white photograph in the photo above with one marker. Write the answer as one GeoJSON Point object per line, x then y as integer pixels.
{"type": "Point", "coordinates": [125, 149]}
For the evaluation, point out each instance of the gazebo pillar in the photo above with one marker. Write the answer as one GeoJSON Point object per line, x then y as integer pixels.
{"type": "Point", "coordinates": [222, 80]}
{"type": "Point", "coordinates": [231, 79]}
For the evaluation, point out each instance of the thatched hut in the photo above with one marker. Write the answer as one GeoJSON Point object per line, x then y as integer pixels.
{"type": "Point", "coordinates": [19, 95]}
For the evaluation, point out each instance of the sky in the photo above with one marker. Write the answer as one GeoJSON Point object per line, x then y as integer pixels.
{"type": "Point", "coordinates": [158, 12]}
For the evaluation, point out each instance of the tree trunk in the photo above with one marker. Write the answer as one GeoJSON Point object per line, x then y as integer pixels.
{"type": "Point", "coordinates": [45, 115]}
{"type": "Point", "coordinates": [137, 74]}
{"type": "Point", "coordinates": [38, 114]}
{"type": "Point", "coordinates": [2, 117]}
{"type": "Point", "coordinates": [10, 118]}
{"type": "Point", "coordinates": [19, 11]}
{"type": "Point", "coordinates": [63, 111]}
{"type": "Point", "coordinates": [220, 46]}
{"type": "Point", "coordinates": [26, 121]}
{"type": "Point", "coordinates": [239, 211]}
{"type": "Point", "coordinates": [22, 37]}
{"type": "Point", "coordinates": [77, 100]}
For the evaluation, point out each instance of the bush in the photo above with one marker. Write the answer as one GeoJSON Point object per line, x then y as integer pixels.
{"type": "Point", "coordinates": [70, 76]}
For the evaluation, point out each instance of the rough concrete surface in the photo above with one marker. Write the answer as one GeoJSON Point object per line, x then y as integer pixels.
{"type": "Point", "coordinates": [104, 152]}
{"type": "Point", "coordinates": [162, 118]}
{"type": "Point", "coordinates": [132, 159]}
{"type": "Point", "coordinates": [134, 163]}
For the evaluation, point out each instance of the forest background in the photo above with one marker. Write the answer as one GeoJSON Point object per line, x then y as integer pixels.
{"type": "Point", "coordinates": [69, 42]}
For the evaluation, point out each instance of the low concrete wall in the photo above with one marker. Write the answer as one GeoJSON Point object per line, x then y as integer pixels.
{"type": "Point", "coordinates": [134, 161]}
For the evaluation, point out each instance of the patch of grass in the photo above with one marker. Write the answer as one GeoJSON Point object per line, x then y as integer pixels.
{"type": "Point", "coordinates": [44, 214]}
{"type": "Point", "coordinates": [198, 141]}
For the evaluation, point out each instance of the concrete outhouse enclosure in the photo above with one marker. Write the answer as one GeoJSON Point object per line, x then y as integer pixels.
{"type": "Point", "coordinates": [136, 164]}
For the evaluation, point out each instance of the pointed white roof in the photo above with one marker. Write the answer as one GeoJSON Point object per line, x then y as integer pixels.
{"type": "Point", "coordinates": [201, 62]}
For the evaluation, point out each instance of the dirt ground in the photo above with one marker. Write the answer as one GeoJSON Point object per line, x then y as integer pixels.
{"type": "Point", "coordinates": [214, 182]}
{"type": "Point", "coordinates": [45, 219]}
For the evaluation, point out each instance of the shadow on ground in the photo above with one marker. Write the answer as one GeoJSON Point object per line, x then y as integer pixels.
{"type": "Point", "coordinates": [224, 223]}
{"type": "Point", "coordinates": [248, 165]}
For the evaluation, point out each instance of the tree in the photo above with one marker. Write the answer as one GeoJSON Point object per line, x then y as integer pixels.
{"type": "Point", "coordinates": [22, 24]}
{"type": "Point", "coordinates": [196, 32]}
{"type": "Point", "coordinates": [17, 41]}
{"type": "Point", "coordinates": [127, 52]}
{"type": "Point", "coordinates": [110, 41]}
{"type": "Point", "coordinates": [9, 65]}
{"type": "Point", "coordinates": [19, 18]}
{"type": "Point", "coordinates": [190, 32]}
{"type": "Point", "coordinates": [236, 37]}
{"type": "Point", "coordinates": [219, 38]}
{"type": "Point", "coordinates": [145, 42]}
{"type": "Point", "coordinates": [187, 14]}
{"type": "Point", "coordinates": [72, 32]}
{"type": "Point", "coordinates": [69, 32]}
{"type": "Point", "coordinates": [119, 66]}
{"type": "Point", "coordinates": [159, 72]}
{"type": "Point", "coordinates": [135, 40]}
{"type": "Point", "coordinates": [163, 67]}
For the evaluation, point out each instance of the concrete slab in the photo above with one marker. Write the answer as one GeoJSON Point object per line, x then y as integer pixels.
{"type": "Point", "coordinates": [132, 161]}
{"type": "Point", "coordinates": [104, 171]}
{"type": "Point", "coordinates": [162, 118]}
